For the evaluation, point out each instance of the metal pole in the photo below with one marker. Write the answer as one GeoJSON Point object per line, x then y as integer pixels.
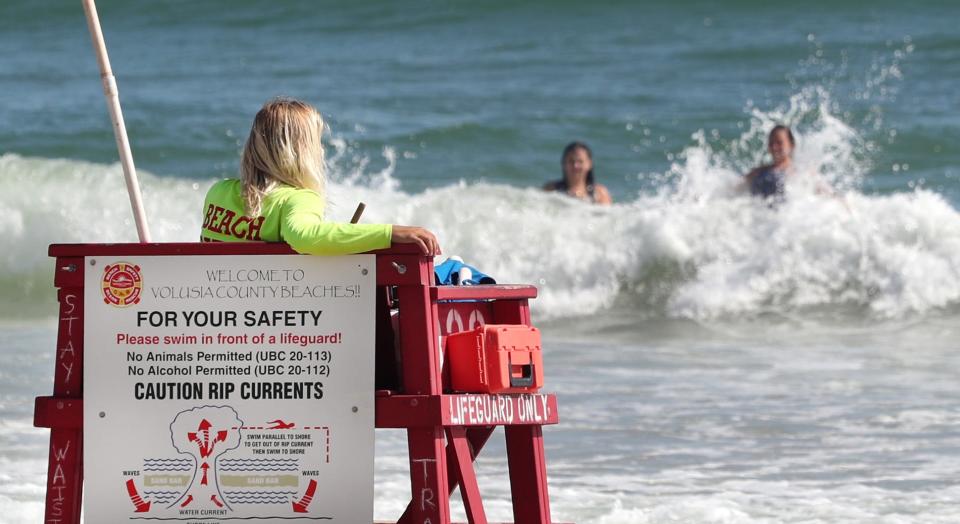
{"type": "Point", "coordinates": [116, 116]}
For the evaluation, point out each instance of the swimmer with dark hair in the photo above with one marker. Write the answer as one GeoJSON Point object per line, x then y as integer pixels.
{"type": "Point", "coordinates": [769, 180]}
{"type": "Point", "coordinates": [578, 180]}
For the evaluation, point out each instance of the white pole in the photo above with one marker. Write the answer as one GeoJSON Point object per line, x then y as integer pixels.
{"type": "Point", "coordinates": [116, 116]}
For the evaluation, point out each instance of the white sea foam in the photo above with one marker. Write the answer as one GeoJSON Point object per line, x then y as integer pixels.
{"type": "Point", "coordinates": [694, 248]}
{"type": "Point", "coordinates": [22, 471]}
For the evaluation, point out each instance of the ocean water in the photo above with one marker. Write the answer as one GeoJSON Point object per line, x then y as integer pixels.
{"type": "Point", "coordinates": [717, 360]}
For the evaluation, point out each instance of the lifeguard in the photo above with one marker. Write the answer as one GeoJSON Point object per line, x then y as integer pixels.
{"type": "Point", "coordinates": [280, 196]}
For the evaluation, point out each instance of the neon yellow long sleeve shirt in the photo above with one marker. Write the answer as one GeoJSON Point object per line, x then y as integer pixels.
{"type": "Point", "coordinates": [287, 214]}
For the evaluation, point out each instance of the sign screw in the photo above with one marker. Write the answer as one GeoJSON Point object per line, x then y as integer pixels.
{"type": "Point", "coordinates": [93, 261]}
{"type": "Point", "coordinates": [102, 414]}
{"type": "Point", "coordinates": [354, 409]}
{"type": "Point", "coordinates": [364, 271]}
{"type": "Point", "coordinates": [400, 267]}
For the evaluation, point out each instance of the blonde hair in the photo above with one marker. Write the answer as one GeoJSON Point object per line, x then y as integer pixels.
{"type": "Point", "coordinates": [283, 148]}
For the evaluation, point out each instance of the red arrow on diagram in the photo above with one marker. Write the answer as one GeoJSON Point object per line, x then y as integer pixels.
{"type": "Point", "coordinates": [186, 502]}
{"type": "Point", "coordinates": [204, 428]}
{"type": "Point", "coordinates": [215, 501]}
{"type": "Point", "coordinates": [202, 438]}
{"type": "Point", "coordinates": [301, 507]}
{"type": "Point", "coordinates": [141, 505]}
{"type": "Point", "coordinates": [204, 467]}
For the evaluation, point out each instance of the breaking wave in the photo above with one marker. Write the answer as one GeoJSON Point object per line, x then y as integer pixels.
{"type": "Point", "coordinates": [692, 247]}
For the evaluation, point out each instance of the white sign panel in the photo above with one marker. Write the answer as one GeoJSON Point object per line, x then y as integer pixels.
{"type": "Point", "coordinates": [221, 388]}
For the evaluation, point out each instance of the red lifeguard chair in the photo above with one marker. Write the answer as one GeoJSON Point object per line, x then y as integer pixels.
{"type": "Point", "coordinates": [414, 391]}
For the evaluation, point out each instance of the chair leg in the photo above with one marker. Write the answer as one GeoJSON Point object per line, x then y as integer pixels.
{"type": "Point", "coordinates": [428, 478]}
{"type": "Point", "coordinates": [463, 468]}
{"type": "Point", "coordinates": [528, 474]}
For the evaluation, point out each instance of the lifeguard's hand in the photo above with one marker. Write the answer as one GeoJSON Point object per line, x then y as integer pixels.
{"type": "Point", "coordinates": [417, 235]}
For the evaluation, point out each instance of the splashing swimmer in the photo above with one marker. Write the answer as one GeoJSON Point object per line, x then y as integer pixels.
{"type": "Point", "coordinates": [578, 180]}
{"type": "Point", "coordinates": [280, 196]}
{"type": "Point", "coordinates": [769, 181]}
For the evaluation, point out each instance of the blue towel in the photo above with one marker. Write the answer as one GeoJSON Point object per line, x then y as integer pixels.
{"type": "Point", "coordinates": [448, 274]}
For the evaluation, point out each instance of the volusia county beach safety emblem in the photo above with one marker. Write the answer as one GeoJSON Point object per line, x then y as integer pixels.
{"type": "Point", "coordinates": [122, 284]}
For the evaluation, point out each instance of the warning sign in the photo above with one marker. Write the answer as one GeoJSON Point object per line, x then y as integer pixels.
{"type": "Point", "coordinates": [223, 388]}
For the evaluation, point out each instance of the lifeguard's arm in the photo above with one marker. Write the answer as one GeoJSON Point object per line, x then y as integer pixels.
{"type": "Point", "coordinates": [302, 227]}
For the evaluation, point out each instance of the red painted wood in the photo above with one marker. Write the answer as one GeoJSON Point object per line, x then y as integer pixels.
{"type": "Point", "coordinates": [61, 413]}
{"type": "Point", "coordinates": [418, 345]}
{"type": "Point", "coordinates": [437, 465]}
{"type": "Point", "coordinates": [65, 462]}
{"type": "Point", "coordinates": [402, 264]}
{"type": "Point", "coordinates": [421, 375]}
{"type": "Point", "coordinates": [197, 248]}
{"type": "Point", "coordinates": [410, 411]}
{"type": "Point", "coordinates": [64, 477]}
{"type": "Point", "coordinates": [403, 270]}
{"type": "Point", "coordinates": [461, 460]}
{"type": "Point", "coordinates": [494, 292]}
{"type": "Point", "coordinates": [511, 312]}
{"type": "Point", "coordinates": [407, 411]}
{"type": "Point", "coordinates": [386, 358]}
{"type": "Point", "coordinates": [455, 317]}
{"type": "Point", "coordinates": [526, 409]}
{"type": "Point", "coordinates": [528, 474]}
{"type": "Point", "coordinates": [68, 274]}
{"type": "Point", "coordinates": [476, 437]}
{"type": "Point", "coordinates": [428, 477]}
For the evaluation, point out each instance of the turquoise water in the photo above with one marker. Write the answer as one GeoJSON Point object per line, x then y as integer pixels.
{"type": "Point", "coordinates": [751, 365]}
{"type": "Point", "coordinates": [491, 92]}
